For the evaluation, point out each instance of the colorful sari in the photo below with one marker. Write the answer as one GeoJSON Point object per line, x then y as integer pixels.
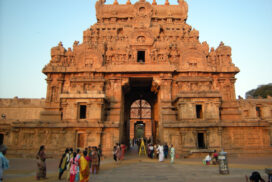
{"type": "Point", "coordinates": [84, 169]}
{"type": "Point", "coordinates": [172, 154]}
{"type": "Point", "coordinates": [77, 174]}
{"type": "Point", "coordinates": [73, 169]}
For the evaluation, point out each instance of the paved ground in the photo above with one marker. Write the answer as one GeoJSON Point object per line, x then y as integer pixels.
{"type": "Point", "coordinates": [142, 169]}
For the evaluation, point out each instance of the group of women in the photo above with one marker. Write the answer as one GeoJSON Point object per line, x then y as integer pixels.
{"type": "Point", "coordinates": [79, 165]}
{"type": "Point", "coordinates": [119, 151]}
{"type": "Point", "coordinates": [160, 152]}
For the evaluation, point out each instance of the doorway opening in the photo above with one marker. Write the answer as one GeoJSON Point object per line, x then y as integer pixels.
{"type": "Point", "coordinates": [1, 138]}
{"type": "Point", "coordinates": [81, 138]}
{"type": "Point", "coordinates": [139, 130]}
{"type": "Point", "coordinates": [201, 140]}
{"type": "Point", "coordinates": [139, 110]}
{"type": "Point", "coordinates": [140, 119]}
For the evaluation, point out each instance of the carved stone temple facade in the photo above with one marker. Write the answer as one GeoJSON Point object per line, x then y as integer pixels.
{"type": "Point", "coordinates": [140, 71]}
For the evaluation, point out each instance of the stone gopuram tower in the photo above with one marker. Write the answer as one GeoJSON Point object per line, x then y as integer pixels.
{"type": "Point", "coordinates": [141, 71]}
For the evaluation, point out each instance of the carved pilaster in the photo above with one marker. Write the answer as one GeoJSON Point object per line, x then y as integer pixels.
{"type": "Point", "coordinates": [220, 131]}
{"type": "Point", "coordinates": [166, 89]}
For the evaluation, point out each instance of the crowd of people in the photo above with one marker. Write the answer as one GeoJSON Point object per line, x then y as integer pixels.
{"type": "Point", "coordinates": [160, 152]}
{"type": "Point", "coordinates": [78, 164]}
{"type": "Point", "coordinates": [119, 152]}
{"type": "Point", "coordinates": [156, 151]}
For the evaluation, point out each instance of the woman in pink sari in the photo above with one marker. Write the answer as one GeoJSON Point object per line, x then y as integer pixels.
{"type": "Point", "coordinates": [73, 167]}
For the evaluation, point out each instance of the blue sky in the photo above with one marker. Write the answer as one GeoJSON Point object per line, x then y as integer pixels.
{"type": "Point", "coordinates": [29, 28]}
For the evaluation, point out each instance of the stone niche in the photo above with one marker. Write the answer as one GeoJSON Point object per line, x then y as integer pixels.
{"type": "Point", "coordinates": [253, 109]}
{"type": "Point", "coordinates": [87, 107]}
{"type": "Point", "coordinates": [198, 108]}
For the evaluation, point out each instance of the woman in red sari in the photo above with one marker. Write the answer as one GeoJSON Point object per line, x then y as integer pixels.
{"type": "Point", "coordinates": [123, 149]}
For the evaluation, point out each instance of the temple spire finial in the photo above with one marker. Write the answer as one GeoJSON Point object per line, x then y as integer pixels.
{"type": "Point", "coordinates": [154, 2]}
{"type": "Point", "coordinates": [128, 2]}
{"type": "Point", "coordinates": [115, 2]}
{"type": "Point", "coordinates": [166, 2]}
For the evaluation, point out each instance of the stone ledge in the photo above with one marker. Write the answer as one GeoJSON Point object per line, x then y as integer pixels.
{"type": "Point", "coordinates": [82, 96]}
{"type": "Point", "coordinates": [214, 124]}
{"type": "Point", "coordinates": [202, 151]}
{"type": "Point", "coordinates": [214, 94]}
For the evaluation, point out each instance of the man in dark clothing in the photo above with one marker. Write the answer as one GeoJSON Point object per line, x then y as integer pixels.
{"type": "Point", "coordinates": [165, 150]}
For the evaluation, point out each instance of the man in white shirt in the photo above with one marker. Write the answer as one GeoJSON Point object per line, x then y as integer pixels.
{"type": "Point", "coordinates": [208, 159]}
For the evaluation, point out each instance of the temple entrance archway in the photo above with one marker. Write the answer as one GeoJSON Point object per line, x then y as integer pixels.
{"type": "Point", "coordinates": [140, 106]}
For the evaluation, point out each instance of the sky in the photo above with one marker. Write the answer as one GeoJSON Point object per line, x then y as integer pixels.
{"type": "Point", "coordinates": [30, 28]}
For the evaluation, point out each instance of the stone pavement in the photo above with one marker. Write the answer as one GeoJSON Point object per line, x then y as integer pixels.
{"type": "Point", "coordinates": [142, 169]}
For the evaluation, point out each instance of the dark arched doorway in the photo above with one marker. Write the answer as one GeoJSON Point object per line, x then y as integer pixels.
{"type": "Point", "coordinates": [139, 130]}
{"type": "Point", "coordinates": [139, 110]}
{"type": "Point", "coordinates": [140, 119]}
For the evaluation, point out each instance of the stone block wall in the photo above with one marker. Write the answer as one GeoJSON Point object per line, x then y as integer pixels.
{"type": "Point", "coordinates": [21, 109]}
{"type": "Point", "coordinates": [247, 140]}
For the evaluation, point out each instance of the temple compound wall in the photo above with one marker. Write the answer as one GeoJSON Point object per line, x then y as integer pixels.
{"type": "Point", "coordinates": [140, 71]}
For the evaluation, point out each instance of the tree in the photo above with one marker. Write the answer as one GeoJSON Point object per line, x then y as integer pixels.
{"type": "Point", "coordinates": [261, 91]}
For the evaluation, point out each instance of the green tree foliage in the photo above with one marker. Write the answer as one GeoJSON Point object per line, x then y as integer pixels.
{"type": "Point", "coordinates": [262, 91]}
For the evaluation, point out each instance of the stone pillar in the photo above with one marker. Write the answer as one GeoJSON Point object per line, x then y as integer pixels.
{"type": "Point", "coordinates": [180, 105]}
{"type": "Point", "coordinates": [182, 139]}
{"type": "Point", "coordinates": [270, 134]}
{"type": "Point", "coordinates": [232, 89]}
{"type": "Point", "coordinates": [116, 105]}
{"type": "Point", "coordinates": [265, 112]}
{"type": "Point", "coordinates": [48, 92]}
{"type": "Point", "coordinates": [207, 139]}
{"type": "Point", "coordinates": [115, 97]}
{"type": "Point", "coordinates": [220, 131]}
{"type": "Point", "coordinates": [165, 103]}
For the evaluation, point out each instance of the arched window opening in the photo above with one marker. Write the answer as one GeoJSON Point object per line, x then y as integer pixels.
{"type": "Point", "coordinates": [140, 109]}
